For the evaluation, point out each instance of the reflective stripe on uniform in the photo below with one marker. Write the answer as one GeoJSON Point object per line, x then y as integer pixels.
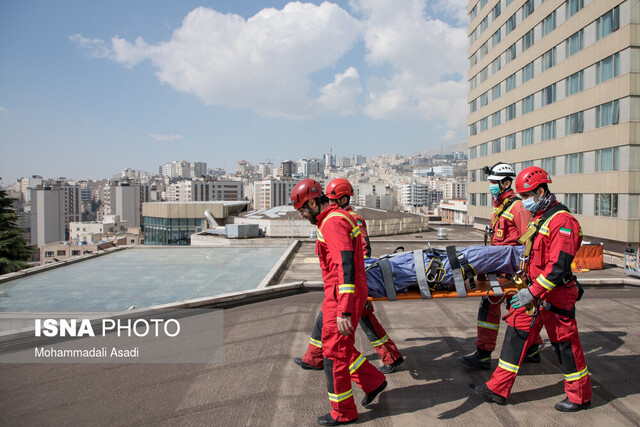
{"type": "Point", "coordinates": [340, 397]}
{"type": "Point", "coordinates": [356, 364]}
{"type": "Point", "coordinates": [355, 230]}
{"type": "Point", "coordinates": [487, 325]}
{"type": "Point", "coordinates": [545, 227]}
{"type": "Point", "coordinates": [320, 236]}
{"type": "Point", "coordinates": [545, 283]}
{"type": "Point", "coordinates": [577, 375]}
{"type": "Point", "coordinates": [346, 289]}
{"type": "Point", "coordinates": [508, 366]}
{"type": "Point", "coordinates": [381, 341]}
{"type": "Point", "coordinates": [315, 342]}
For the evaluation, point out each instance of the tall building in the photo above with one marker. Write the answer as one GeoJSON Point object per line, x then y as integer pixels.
{"type": "Point", "coordinates": [53, 208]}
{"type": "Point", "coordinates": [454, 190]}
{"type": "Point", "coordinates": [204, 191]}
{"type": "Point", "coordinates": [552, 84]}
{"type": "Point", "coordinates": [244, 168]}
{"type": "Point", "coordinates": [125, 199]}
{"type": "Point", "coordinates": [183, 169]}
{"type": "Point", "coordinates": [311, 167]}
{"type": "Point", "coordinates": [415, 195]}
{"type": "Point", "coordinates": [287, 169]}
{"type": "Point", "coordinates": [270, 193]}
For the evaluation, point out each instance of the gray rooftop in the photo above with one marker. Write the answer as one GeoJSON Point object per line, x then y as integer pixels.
{"type": "Point", "coordinates": [258, 384]}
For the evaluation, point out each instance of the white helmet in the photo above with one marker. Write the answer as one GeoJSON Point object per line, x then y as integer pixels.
{"type": "Point", "coordinates": [500, 171]}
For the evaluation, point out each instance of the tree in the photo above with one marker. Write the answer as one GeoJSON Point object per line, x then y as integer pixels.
{"type": "Point", "coordinates": [14, 249]}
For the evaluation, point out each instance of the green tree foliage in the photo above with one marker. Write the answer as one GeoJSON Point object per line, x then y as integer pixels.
{"type": "Point", "coordinates": [14, 249]}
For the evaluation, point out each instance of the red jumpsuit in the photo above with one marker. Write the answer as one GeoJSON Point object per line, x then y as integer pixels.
{"type": "Point", "coordinates": [549, 266]}
{"type": "Point", "coordinates": [339, 249]}
{"type": "Point", "coordinates": [508, 227]}
{"type": "Point", "coordinates": [380, 340]}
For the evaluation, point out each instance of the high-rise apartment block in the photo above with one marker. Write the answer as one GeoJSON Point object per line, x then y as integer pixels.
{"type": "Point", "coordinates": [184, 169]}
{"type": "Point", "coordinates": [125, 200]}
{"type": "Point", "coordinates": [287, 169]}
{"type": "Point", "coordinates": [270, 193]}
{"type": "Point", "coordinates": [311, 167]}
{"type": "Point", "coordinates": [204, 191]}
{"type": "Point", "coordinates": [53, 208]}
{"type": "Point", "coordinates": [553, 84]}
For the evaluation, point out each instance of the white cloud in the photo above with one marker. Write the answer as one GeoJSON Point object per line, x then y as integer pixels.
{"type": "Point", "coordinates": [343, 94]}
{"type": "Point", "coordinates": [449, 135]}
{"type": "Point", "coordinates": [423, 52]}
{"type": "Point", "coordinates": [261, 63]}
{"type": "Point", "coordinates": [161, 137]}
{"type": "Point", "coordinates": [2, 109]}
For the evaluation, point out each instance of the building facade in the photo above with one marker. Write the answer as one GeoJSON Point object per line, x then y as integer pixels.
{"type": "Point", "coordinates": [553, 84]}
{"type": "Point", "coordinates": [52, 210]}
{"type": "Point", "coordinates": [270, 193]}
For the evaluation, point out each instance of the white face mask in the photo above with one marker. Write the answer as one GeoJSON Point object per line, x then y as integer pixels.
{"type": "Point", "coordinates": [530, 204]}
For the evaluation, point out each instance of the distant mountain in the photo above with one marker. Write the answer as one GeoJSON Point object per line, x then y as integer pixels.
{"type": "Point", "coordinates": [446, 149]}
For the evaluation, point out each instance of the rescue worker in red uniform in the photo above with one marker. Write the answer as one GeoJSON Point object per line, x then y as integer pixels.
{"type": "Point", "coordinates": [340, 191]}
{"type": "Point", "coordinates": [554, 236]}
{"type": "Point", "coordinates": [339, 249]}
{"type": "Point", "coordinates": [509, 221]}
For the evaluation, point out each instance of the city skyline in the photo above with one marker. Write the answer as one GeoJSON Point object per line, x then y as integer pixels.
{"type": "Point", "coordinates": [90, 89]}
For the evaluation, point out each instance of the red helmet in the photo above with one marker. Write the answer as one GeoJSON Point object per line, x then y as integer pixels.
{"type": "Point", "coordinates": [339, 187]}
{"type": "Point", "coordinates": [530, 178]}
{"type": "Point", "coordinates": [305, 190]}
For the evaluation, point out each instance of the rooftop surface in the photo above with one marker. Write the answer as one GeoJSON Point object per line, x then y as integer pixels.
{"type": "Point", "coordinates": [258, 383]}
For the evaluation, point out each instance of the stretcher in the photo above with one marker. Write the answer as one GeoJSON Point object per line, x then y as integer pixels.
{"type": "Point", "coordinates": [474, 271]}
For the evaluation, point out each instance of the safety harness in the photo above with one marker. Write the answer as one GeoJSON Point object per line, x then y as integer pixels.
{"type": "Point", "coordinates": [527, 239]}
{"type": "Point", "coordinates": [504, 208]}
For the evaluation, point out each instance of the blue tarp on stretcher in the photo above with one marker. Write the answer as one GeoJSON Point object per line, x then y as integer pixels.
{"type": "Point", "coordinates": [483, 259]}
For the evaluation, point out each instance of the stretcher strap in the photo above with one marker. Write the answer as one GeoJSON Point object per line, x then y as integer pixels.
{"type": "Point", "coordinates": [495, 286]}
{"type": "Point", "coordinates": [387, 276]}
{"type": "Point", "coordinates": [457, 273]}
{"type": "Point", "coordinates": [421, 274]}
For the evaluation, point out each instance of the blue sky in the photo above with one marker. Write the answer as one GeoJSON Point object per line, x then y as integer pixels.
{"type": "Point", "coordinates": [89, 88]}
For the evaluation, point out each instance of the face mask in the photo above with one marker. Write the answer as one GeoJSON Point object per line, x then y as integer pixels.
{"type": "Point", "coordinates": [494, 189]}
{"type": "Point", "coordinates": [530, 204]}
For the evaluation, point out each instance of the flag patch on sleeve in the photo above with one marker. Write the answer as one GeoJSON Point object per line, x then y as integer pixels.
{"type": "Point", "coordinates": [565, 232]}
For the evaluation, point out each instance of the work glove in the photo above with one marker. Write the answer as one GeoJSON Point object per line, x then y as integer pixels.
{"type": "Point", "coordinates": [522, 298]}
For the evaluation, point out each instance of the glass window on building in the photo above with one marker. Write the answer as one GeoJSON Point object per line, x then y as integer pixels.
{"type": "Point", "coordinates": [574, 123]}
{"type": "Point", "coordinates": [606, 205]}
{"type": "Point", "coordinates": [484, 149]}
{"type": "Point", "coordinates": [575, 43]}
{"type": "Point", "coordinates": [608, 159]}
{"type": "Point", "coordinates": [549, 95]}
{"type": "Point", "coordinates": [473, 105]}
{"type": "Point", "coordinates": [527, 164]}
{"type": "Point", "coordinates": [510, 82]}
{"type": "Point", "coordinates": [483, 3]}
{"type": "Point", "coordinates": [48, 254]}
{"type": "Point", "coordinates": [527, 9]}
{"type": "Point", "coordinates": [495, 119]}
{"type": "Point", "coordinates": [573, 163]}
{"type": "Point", "coordinates": [608, 68]}
{"type": "Point", "coordinates": [510, 142]}
{"type": "Point", "coordinates": [473, 60]}
{"type": "Point", "coordinates": [483, 199]}
{"type": "Point", "coordinates": [484, 49]}
{"type": "Point", "coordinates": [472, 175]}
{"type": "Point", "coordinates": [608, 113]}
{"type": "Point", "coordinates": [484, 124]}
{"type": "Point", "coordinates": [496, 65]}
{"type": "Point", "coordinates": [510, 53]}
{"type": "Point", "coordinates": [573, 6]}
{"type": "Point", "coordinates": [484, 74]}
{"type": "Point", "coordinates": [484, 24]}
{"type": "Point", "coordinates": [473, 13]}
{"type": "Point", "coordinates": [472, 153]}
{"type": "Point", "coordinates": [527, 40]}
{"type": "Point", "coordinates": [527, 72]}
{"type": "Point", "coordinates": [495, 92]}
{"type": "Point", "coordinates": [548, 131]}
{"type": "Point", "coordinates": [548, 59]}
{"type": "Point", "coordinates": [574, 202]}
{"type": "Point", "coordinates": [527, 136]}
{"type": "Point", "coordinates": [574, 83]}
{"type": "Point", "coordinates": [496, 38]}
{"type": "Point", "coordinates": [496, 11]}
{"type": "Point", "coordinates": [484, 99]}
{"type": "Point", "coordinates": [511, 112]}
{"type": "Point", "coordinates": [473, 129]}
{"type": "Point", "coordinates": [473, 199]}
{"type": "Point", "coordinates": [527, 104]}
{"type": "Point", "coordinates": [608, 23]}
{"type": "Point", "coordinates": [549, 165]}
{"type": "Point", "coordinates": [549, 23]}
{"type": "Point", "coordinates": [495, 146]}
{"type": "Point", "coordinates": [510, 24]}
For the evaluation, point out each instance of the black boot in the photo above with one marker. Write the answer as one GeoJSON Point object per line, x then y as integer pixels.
{"type": "Point", "coordinates": [481, 359]}
{"type": "Point", "coordinates": [305, 365]}
{"type": "Point", "coordinates": [490, 396]}
{"type": "Point", "coordinates": [370, 396]}
{"type": "Point", "coordinates": [387, 369]}
{"type": "Point", "coordinates": [567, 406]}
{"type": "Point", "coordinates": [327, 420]}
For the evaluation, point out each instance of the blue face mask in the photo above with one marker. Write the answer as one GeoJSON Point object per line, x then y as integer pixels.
{"type": "Point", "coordinates": [530, 204]}
{"type": "Point", "coordinates": [494, 189]}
